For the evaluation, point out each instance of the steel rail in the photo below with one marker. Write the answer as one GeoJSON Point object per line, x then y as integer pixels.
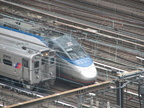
{"type": "Point", "coordinates": [77, 91]}
{"type": "Point", "coordinates": [101, 34]}
{"type": "Point", "coordinates": [61, 17]}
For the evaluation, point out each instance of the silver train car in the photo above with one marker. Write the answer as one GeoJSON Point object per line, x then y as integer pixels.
{"type": "Point", "coordinates": [32, 65]}
{"type": "Point", "coordinates": [73, 63]}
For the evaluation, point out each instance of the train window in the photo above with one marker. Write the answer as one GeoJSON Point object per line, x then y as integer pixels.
{"type": "Point", "coordinates": [62, 54]}
{"type": "Point", "coordinates": [66, 41]}
{"type": "Point", "coordinates": [52, 60]}
{"type": "Point", "coordinates": [51, 53]}
{"type": "Point", "coordinates": [81, 52]}
{"type": "Point", "coordinates": [36, 64]}
{"type": "Point", "coordinates": [25, 63]}
{"type": "Point", "coordinates": [44, 60]}
{"type": "Point", "coordinates": [73, 54]}
{"type": "Point", "coordinates": [76, 52]}
{"type": "Point", "coordinates": [7, 62]}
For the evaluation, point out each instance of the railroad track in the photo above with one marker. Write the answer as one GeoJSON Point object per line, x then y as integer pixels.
{"type": "Point", "coordinates": [10, 94]}
{"type": "Point", "coordinates": [73, 5]}
{"type": "Point", "coordinates": [88, 14]}
{"type": "Point", "coordinates": [118, 55]}
{"type": "Point", "coordinates": [131, 42]}
{"type": "Point", "coordinates": [112, 33]}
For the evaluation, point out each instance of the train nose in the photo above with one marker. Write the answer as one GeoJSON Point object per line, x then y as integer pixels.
{"type": "Point", "coordinates": [89, 72]}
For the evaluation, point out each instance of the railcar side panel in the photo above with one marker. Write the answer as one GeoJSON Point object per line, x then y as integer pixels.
{"type": "Point", "coordinates": [11, 65]}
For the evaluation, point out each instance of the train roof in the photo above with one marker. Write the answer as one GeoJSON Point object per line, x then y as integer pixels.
{"type": "Point", "coordinates": [21, 48]}
{"type": "Point", "coordinates": [42, 33]}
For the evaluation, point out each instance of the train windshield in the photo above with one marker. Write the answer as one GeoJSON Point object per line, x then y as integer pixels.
{"type": "Point", "coordinates": [67, 41]}
{"type": "Point", "coordinates": [71, 48]}
{"type": "Point", "coordinates": [75, 52]}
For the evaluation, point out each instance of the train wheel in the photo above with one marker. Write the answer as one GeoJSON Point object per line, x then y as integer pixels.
{"type": "Point", "coordinates": [51, 82]}
{"type": "Point", "coordinates": [46, 85]}
{"type": "Point", "coordinates": [27, 86]}
{"type": "Point", "coordinates": [37, 88]}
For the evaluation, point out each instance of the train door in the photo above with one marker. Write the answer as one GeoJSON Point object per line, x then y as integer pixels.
{"type": "Point", "coordinates": [25, 70]}
{"type": "Point", "coordinates": [52, 64]}
{"type": "Point", "coordinates": [49, 67]}
{"type": "Point", "coordinates": [36, 73]}
{"type": "Point", "coordinates": [52, 68]}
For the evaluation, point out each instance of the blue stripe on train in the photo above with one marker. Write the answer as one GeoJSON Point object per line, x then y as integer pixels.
{"type": "Point", "coordinates": [15, 30]}
{"type": "Point", "coordinates": [81, 62]}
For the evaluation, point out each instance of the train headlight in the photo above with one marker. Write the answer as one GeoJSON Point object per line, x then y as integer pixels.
{"type": "Point", "coordinates": [42, 54]}
{"type": "Point", "coordinates": [46, 54]}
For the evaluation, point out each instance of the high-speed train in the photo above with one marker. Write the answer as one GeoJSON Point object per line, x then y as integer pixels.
{"type": "Point", "coordinates": [73, 63]}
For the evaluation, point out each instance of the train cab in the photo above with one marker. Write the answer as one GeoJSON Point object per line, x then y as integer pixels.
{"type": "Point", "coordinates": [73, 63]}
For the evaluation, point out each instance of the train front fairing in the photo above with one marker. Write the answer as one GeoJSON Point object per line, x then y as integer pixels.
{"type": "Point", "coordinates": [73, 63]}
